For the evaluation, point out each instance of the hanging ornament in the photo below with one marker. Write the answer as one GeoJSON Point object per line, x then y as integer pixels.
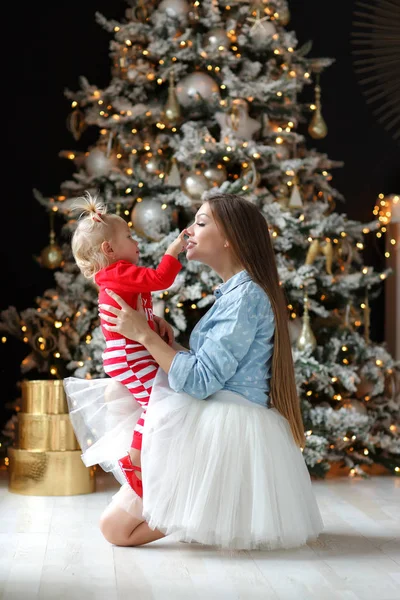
{"type": "Point", "coordinates": [76, 123]}
{"type": "Point", "coordinates": [196, 88]}
{"type": "Point", "coordinates": [282, 196]}
{"type": "Point", "coordinates": [325, 248]}
{"type": "Point", "coordinates": [177, 9]}
{"type": "Point", "coordinates": [172, 110]}
{"type": "Point", "coordinates": [262, 30]}
{"type": "Point", "coordinates": [138, 13]}
{"type": "Point", "coordinates": [51, 257]}
{"type": "Point", "coordinates": [313, 252]}
{"type": "Point", "coordinates": [236, 123]}
{"type": "Point", "coordinates": [365, 387]}
{"type": "Point", "coordinates": [317, 127]}
{"type": "Point", "coordinates": [306, 338]}
{"type": "Point", "coordinates": [173, 178]}
{"type": "Point", "coordinates": [151, 219]}
{"type": "Point", "coordinates": [98, 164]}
{"type": "Point", "coordinates": [284, 15]}
{"type": "Point", "coordinates": [215, 175]}
{"type": "Point", "coordinates": [250, 175]}
{"type": "Point", "coordinates": [295, 201]}
{"type": "Point", "coordinates": [327, 251]}
{"type": "Point", "coordinates": [194, 184]}
{"type": "Point", "coordinates": [216, 39]}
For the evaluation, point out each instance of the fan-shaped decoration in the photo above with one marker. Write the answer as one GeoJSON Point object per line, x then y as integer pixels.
{"type": "Point", "coordinates": [376, 52]}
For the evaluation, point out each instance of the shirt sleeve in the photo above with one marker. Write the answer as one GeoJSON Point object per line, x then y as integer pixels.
{"type": "Point", "coordinates": [145, 279]}
{"type": "Point", "coordinates": [225, 344]}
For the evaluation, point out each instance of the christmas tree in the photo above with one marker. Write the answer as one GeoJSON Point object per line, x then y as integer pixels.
{"type": "Point", "coordinates": [205, 97]}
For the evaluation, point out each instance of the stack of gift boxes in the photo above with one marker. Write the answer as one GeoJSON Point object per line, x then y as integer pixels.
{"type": "Point", "coordinates": [46, 457]}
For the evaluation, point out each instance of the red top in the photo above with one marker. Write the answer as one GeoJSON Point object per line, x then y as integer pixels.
{"type": "Point", "coordinates": [128, 281]}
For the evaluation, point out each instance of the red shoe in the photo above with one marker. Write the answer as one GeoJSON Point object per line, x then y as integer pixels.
{"type": "Point", "coordinates": [129, 470]}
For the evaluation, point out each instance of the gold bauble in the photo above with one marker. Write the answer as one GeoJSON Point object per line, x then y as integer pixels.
{"type": "Point", "coordinates": [306, 338]}
{"type": "Point", "coordinates": [317, 127]}
{"type": "Point", "coordinates": [51, 257]}
{"type": "Point", "coordinates": [313, 252]}
{"type": "Point", "coordinates": [172, 109]}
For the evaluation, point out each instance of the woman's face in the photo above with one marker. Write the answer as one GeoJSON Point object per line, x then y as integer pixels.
{"type": "Point", "coordinates": [206, 241]}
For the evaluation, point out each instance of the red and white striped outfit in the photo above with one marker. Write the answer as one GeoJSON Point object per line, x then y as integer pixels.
{"type": "Point", "coordinates": [126, 360]}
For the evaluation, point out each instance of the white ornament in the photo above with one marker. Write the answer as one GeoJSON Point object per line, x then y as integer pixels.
{"type": "Point", "coordinates": [98, 164]}
{"type": "Point", "coordinates": [174, 8]}
{"type": "Point", "coordinates": [262, 29]}
{"type": "Point", "coordinates": [295, 198]}
{"type": "Point", "coordinates": [194, 184]}
{"type": "Point", "coordinates": [195, 88]}
{"type": "Point", "coordinates": [217, 39]}
{"type": "Point", "coordinates": [237, 122]}
{"type": "Point", "coordinates": [150, 220]}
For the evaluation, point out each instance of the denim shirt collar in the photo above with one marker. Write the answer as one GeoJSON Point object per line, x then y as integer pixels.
{"type": "Point", "coordinates": [232, 283]}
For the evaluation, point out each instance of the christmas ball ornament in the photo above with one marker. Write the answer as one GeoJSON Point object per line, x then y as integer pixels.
{"type": "Point", "coordinates": [150, 220]}
{"type": "Point", "coordinates": [51, 257]}
{"type": "Point", "coordinates": [194, 185]}
{"type": "Point", "coordinates": [262, 30]}
{"type": "Point", "coordinates": [356, 405]}
{"type": "Point", "coordinates": [196, 88]}
{"type": "Point", "coordinates": [365, 387]}
{"type": "Point", "coordinates": [98, 164]}
{"type": "Point", "coordinates": [215, 175]}
{"type": "Point", "coordinates": [217, 39]}
{"type": "Point", "coordinates": [175, 8]}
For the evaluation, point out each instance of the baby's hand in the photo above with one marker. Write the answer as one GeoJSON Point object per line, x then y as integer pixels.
{"type": "Point", "coordinates": [178, 245]}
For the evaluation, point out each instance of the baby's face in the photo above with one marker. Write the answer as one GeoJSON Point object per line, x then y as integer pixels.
{"type": "Point", "coordinates": [124, 246]}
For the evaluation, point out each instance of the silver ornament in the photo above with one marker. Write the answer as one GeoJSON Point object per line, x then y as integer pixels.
{"type": "Point", "coordinates": [216, 175]}
{"type": "Point", "coordinates": [150, 220]}
{"type": "Point", "coordinates": [195, 88]}
{"type": "Point", "coordinates": [98, 164]}
{"type": "Point", "coordinates": [174, 8]}
{"type": "Point", "coordinates": [194, 184]}
{"type": "Point", "coordinates": [216, 39]}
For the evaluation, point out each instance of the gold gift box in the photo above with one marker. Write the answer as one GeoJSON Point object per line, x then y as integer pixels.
{"type": "Point", "coordinates": [42, 396]}
{"type": "Point", "coordinates": [34, 473]}
{"type": "Point", "coordinates": [45, 432]}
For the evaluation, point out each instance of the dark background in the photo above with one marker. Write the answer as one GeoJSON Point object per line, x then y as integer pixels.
{"type": "Point", "coordinates": [52, 47]}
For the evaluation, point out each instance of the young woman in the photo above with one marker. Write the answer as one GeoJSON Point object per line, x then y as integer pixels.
{"type": "Point", "coordinates": [221, 457]}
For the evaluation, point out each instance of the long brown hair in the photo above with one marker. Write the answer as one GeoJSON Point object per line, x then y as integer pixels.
{"type": "Point", "coordinates": [246, 229]}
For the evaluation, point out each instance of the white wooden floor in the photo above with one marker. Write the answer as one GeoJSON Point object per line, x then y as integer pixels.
{"type": "Point", "coordinates": [51, 549]}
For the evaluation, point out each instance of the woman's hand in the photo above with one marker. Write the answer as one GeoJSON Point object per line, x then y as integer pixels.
{"type": "Point", "coordinates": [128, 322]}
{"type": "Point", "coordinates": [165, 330]}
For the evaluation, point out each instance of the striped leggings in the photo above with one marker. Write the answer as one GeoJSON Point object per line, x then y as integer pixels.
{"type": "Point", "coordinates": [132, 365]}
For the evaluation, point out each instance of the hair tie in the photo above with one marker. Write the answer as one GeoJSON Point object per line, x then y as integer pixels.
{"type": "Point", "coordinates": [97, 217]}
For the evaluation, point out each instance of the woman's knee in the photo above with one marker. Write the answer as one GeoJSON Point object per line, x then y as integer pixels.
{"type": "Point", "coordinates": [117, 527]}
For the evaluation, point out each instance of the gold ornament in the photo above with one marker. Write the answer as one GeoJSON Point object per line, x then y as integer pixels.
{"type": "Point", "coordinates": [327, 251]}
{"type": "Point", "coordinates": [282, 196]}
{"type": "Point", "coordinates": [194, 184]}
{"type": "Point", "coordinates": [76, 123]}
{"type": "Point", "coordinates": [172, 110]}
{"type": "Point", "coordinates": [306, 338]}
{"type": "Point", "coordinates": [51, 257]}
{"type": "Point", "coordinates": [284, 15]}
{"type": "Point", "coordinates": [317, 127]}
{"type": "Point", "coordinates": [317, 248]}
{"type": "Point", "coordinates": [313, 252]}
{"type": "Point", "coordinates": [250, 175]}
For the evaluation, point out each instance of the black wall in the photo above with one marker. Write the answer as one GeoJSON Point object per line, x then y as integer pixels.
{"type": "Point", "coordinates": [51, 47]}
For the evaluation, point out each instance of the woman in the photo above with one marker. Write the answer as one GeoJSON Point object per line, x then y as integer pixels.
{"type": "Point", "coordinates": [221, 457]}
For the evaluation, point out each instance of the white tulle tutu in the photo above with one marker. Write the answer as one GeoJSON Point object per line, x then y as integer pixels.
{"type": "Point", "coordinates": [223, 471]}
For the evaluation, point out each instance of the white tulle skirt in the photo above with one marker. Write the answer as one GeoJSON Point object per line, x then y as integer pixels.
{"type": "Point", "coordinates": [223, 471]}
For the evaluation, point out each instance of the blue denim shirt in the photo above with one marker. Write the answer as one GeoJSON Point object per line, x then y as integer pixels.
{"type": "Point", "coordinates": [231, 346]}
